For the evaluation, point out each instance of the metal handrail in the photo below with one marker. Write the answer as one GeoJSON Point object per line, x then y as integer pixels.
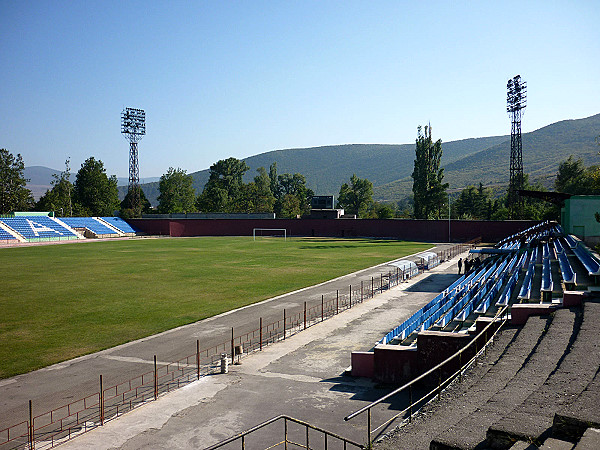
{"type": "Point", "coordinates": [243, 434]}
{"type": "Point", "coordinates": [409, 385]}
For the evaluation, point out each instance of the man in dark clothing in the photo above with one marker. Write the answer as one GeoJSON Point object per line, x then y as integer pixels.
{"type": "Point", "coordinates": [459, 265]}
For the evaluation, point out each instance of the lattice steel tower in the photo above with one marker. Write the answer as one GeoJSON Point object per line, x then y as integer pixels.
{"type": "Point", "coordinates": [133, 127]}
{"type": "Point", "coordinates": [516, 102]}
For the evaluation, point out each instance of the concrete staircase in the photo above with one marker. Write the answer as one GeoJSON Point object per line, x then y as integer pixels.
{"type": "Point", "coordinates": [539, 387]}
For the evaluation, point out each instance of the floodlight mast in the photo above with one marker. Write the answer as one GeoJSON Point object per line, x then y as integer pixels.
{"type": "Point", "coordinates": [133, 127]}
{"type": "Point", "coordinates": [516, 101]}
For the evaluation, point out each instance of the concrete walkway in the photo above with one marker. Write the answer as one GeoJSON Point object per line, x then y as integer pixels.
{"type": "Point", "coordinates": [301, 377]}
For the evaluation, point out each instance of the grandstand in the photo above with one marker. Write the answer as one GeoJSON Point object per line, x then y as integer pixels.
{"type": "Point", "coordinates": [539, 383]}
{"type": "Point", "coordinates": [38, 228]}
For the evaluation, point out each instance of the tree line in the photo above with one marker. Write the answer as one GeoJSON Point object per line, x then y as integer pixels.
{"type": "Point", "coordinates": [94, 193]}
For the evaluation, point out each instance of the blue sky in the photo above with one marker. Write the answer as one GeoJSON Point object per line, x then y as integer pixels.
{"type": "Point", "coordinates": [220, 79]}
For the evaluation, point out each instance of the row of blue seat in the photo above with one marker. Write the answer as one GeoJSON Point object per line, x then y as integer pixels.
{"type": "Point", "coordinates": [120, 224]}
{"type": "Point", "coordinates": [88, 222]}
{"type": "Point", "coordinates": [36, 227]}
{"type": "Point", "coordinates": [5, 235]}
{"type": "Point", "coordinates": [44, 227]}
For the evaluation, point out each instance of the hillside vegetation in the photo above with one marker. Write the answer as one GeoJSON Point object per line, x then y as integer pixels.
{"type": "Point", "coordinates": [388, 167]}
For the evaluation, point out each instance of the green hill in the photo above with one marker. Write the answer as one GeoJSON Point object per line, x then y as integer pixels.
{"type": "Point", "coordinates": [388, 167]}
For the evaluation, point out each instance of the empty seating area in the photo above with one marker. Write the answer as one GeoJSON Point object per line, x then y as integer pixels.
{"type": "Point", "coordinates": [120, 224]}
{"type": "Point", "coordinates": [37, 228]}
{"type": "Point", "coordinates": [91, 224]}
{"type": "Point", "coordinates": [539, 386]}
{"type": "Point", "coordinates": [6, 236]}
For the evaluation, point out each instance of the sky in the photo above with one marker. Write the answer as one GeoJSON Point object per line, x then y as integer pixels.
{"type": "Point", "coordinates": [238, 78]}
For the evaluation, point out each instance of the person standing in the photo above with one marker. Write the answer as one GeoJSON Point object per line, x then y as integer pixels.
{"type": "Point", "coordinates": [459, 265]}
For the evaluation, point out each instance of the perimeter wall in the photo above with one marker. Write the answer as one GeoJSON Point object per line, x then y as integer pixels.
{"type": "Point", "coordinates": [404, 229]}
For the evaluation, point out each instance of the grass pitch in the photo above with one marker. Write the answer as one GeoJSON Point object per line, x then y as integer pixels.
{"type": "Point", "coordinates": [62, 301]}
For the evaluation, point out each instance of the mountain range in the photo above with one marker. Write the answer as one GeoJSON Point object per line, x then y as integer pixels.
{"type": "Point", "coordinates": [389, 167]}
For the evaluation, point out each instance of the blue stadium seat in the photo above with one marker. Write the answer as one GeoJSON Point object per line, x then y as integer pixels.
{"type": "Point", "coordinates": [88, 222]}
{"type": "Point", "coordinates": [6, 236]}
{"type": "Point", "coordinates": [38, 227]}
{"type": "Point", "coordinates": [120, 224]}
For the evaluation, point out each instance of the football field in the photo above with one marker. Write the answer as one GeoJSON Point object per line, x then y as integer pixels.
{"type": "Point", "coordinates": [62, 301]}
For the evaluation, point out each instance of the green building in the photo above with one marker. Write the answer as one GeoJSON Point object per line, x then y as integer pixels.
{"type": "Point", "coordinates": [578, 217]}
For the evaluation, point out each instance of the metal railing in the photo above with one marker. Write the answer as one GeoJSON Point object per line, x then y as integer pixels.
{"type": "Point", "coordinates": [501, 317]}
{"type": "Point", "coordinates": [65, 422]}
{"type": "Point", "coordinates": [322, 436]}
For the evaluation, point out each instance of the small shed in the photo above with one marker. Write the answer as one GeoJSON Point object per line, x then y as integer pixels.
{"type": "Point", "coordinates": [429, 259]}
{"type": "Point", "coordinates": [408, 268]}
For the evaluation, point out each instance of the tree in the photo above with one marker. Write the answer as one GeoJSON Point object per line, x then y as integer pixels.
{"type": "Point", "coordinates": [381, 211]}
{"type": "Point", "coordinates": [428, 189]}
{"type": "Point", "coordinates": [224, 189]}
{"type": "Point", "coordinates": [176, 192]}
{"type": "Point", "coordinates": [94, 193]}
{"type": "Point", "coordinates": [357, 197]}
{"type": "Point", "coordinates": [59, 197]}
{"type": "Point", "coordinates": [475, 203]}
{"type": "Point", "coordinates": [127, 212]}
{"type": "Point", "coordinates": [13, 193]}
{"type": "Point", "coordinates": [571, 177]}
{"type": "Point", "coordinates": [260, 194]}
{"type": "Point", "coordinates": [289, 186]}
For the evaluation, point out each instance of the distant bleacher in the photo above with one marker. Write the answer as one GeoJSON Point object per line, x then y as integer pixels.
{"type": "Point", "coordinates": [44, 228]}
{"type": "Point", "coordinates": [91, 224]}
{"type": "Point", "coordinates": [34, 228]}
{"type": "Point", "coordinates": [6, 236]}
{"type": "Point", "coordinates": [120, 224]}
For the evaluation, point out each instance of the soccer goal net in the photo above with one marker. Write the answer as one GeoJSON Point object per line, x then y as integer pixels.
{"type": "Point", "coordinates": [270, 232]}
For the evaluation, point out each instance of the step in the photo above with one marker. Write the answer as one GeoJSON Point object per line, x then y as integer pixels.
{"type": "Point", "coordinates": [572, 422]}
{"type": "Point", "coordinates": [590, 440]}
{"type": "Point", "coordinates": [439, 415]}
{"type": "Point", "coordinates": [532, 420]}
{"type": "Point", "coordinates": [464, 398]}
{"type": "Point", "coordinates": [471, 430]}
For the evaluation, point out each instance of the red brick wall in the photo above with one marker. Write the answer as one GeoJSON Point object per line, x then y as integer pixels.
{"type": "Point", "coordinates": [405, 229]}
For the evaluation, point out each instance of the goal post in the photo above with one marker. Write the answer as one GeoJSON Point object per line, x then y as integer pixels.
{"type": "Point", "coordinates": [260, 231]}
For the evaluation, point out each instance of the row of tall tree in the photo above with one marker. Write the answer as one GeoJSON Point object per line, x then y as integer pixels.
{"type": "Point", "coordinates": [225, 191]}
{"type": "Point", "coordinates": [94, 193]}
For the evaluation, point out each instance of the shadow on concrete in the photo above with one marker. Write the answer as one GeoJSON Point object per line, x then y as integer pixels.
{"type": "Point", "coordinates": [435, 282]}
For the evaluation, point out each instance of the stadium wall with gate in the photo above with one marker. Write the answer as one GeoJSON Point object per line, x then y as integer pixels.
{"type": "Point", "coordinates": [405, 229]}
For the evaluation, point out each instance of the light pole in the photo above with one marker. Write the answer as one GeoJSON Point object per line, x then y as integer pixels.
{"type": "Point", "coordinates": [449, 217]}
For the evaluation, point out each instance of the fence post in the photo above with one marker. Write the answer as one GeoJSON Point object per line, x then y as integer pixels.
{"type": "Point", "coordinates": [361, 291]}
{"type": "Point", "coordinates": [101, 402]}
{"type": "Point", "coordinates": [372, 287]}
{"type": "Point", "coordinates": [381, 282]}
{"type": "Point", "coordinates": [260, 335]}
{"type": "Point", "coordinates": [197, 359]}
{"type": "Point", "coordinates": [322, 304]}
{"type": "Point", "coordinates": [410, 403]}
{"type": "Point", "coordinates": [337, 301]}
{"type": "Point", "coordinates": [232, 346]}
{"type": "Point", "coordinates": [305, 315]}
{"type": "Point", "coordinates": [369, 428]}
{"type": "Point", "coordinates": [284, 324]}
{"type": "Point", "coordinates": [155, 379]}
{"type": "Point", "coordinates": [350, 296]}
{"type": "Point", "coordinates": [31, 443]}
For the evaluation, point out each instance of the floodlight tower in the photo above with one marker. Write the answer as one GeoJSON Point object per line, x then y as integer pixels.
{"type": "Point", "coordinates": [516, 101]}
{"type": "Point", "coordinates": [133, 127]}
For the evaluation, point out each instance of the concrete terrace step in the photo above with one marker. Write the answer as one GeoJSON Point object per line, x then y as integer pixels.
{"type": "Point", "coordinates": [572, 421]}
{"type": "Point", "coordinates": [532, 420]}
{"type": "Point", "coordinates": [480, 384]}
{"type": "Point", "coordinates": [470, 431]}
